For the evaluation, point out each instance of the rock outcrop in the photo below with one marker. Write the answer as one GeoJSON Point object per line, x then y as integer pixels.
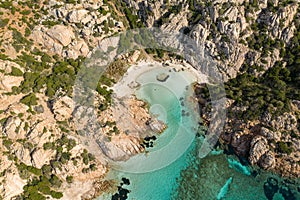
{"type": "Point", "coordinates": [259, 146]}
{"type": "Point", "coordinates": [63, 108]}
{"type": "Point", "coordinates": [62, 34]}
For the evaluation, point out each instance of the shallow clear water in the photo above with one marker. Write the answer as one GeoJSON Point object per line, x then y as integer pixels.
{"type": "Point", "coordinates": [170, 101]}
{"type": "Point", "coordinates": [172, 169]}
{"type": "Point", "coordinates": [174, 144]}
{"type": "Point", "coordinates": [167, 108]}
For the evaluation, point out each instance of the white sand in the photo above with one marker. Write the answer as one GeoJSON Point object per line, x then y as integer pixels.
{"type": "Point", "coordinates": [122, 88]}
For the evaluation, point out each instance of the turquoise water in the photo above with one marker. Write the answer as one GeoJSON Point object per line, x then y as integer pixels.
{"type": "Point", "coordinates": [224, 177]}
{"type": "Point", "coordinates": [169, 110]}
{"type": "Point", "coordinates": [154, 176]}
{"type": "Point", "coordinates": [173, 145]}
{"type": "Point", "coordinates": [172, 171]}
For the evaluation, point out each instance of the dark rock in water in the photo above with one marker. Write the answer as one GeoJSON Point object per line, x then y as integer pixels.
{"type": "Point", "coordinates": [272, 181]}
{"type": "Point", "coordinates": [126, 181]}
{"type": "Point", "coordinates": [162, 77]}
{"type": "Point", "coordinates": [298, 188]}
{"type": "Point", "coordinates": [148, 141]}
{"type": "Point", "coordinates": [202, 101]}
{"type": "Point", "coordinates": [153, 137]}
{"type": "Point", "coordinates": [254, 173]}
{"type": "Point", "coordinates": [122, 192]}
{"type": "Point", "coordinates": [289, 181]}
{"type": "Point", "coordinates": [287, 193]}
{"type": "Point", "coordinates": [270, 188]}
{"type": "Point", "coordinates": [115, 197]}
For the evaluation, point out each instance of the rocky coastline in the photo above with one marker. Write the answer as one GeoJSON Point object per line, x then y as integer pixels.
{"type": "Point", "coordinates": [258, 143]}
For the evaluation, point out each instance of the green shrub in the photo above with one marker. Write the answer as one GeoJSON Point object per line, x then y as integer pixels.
{"type": "Point", "coordinates": [283, 148]}
{"type": "Point", "coordinates": [102, 11]}
{"type": "Point", "coordinates": [27, 32]}
{"type": "Point", "coordinates": [6, 4]}
{"type": "Point", "coordinates": [25, 12]}
{"type": "Point", "coordinates": [49, 145]}
{"type": "Point", "coordinates": [55, 181]}
{"type": "Point", "coordinates": [50, 23]}
{"type": "Point", "coordinates": [3, 23]}
{"type": "Point", "coordinates": [7, 143]}
{"type": "Point", "coordinates": [69, 179]}
{"type": "Point", "coordinates": [56, 195]}
{"type": "Point", "coordinates": [16, 72]}
{"type": "Point", "coordinates": [29, 100]}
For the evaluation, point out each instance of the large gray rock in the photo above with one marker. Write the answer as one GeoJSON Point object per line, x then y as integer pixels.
{"type": "Point", "coordinates": [77, 49]}
{"type": "Point", "coordinates": [270, 135]}
{"type": "Point", "coordinates": [22, 154]}
{"type": "Point", "coordinates": [41, 157]}
{"type": "Point", "coordinates": [156, 125]}
{"type": "Point", "coordinates": [259, 146]}
{"type": "Point", "coordinates": [76, 16]}
{"type": "Point", "coordinates": [63, 108]}
{"type": "Point", "coordinates": [280, 22]}
{"type": "Point", "coordinates": [120, 149]}
{"type": "Point", "coordinates": [61, 34]}
{"type": "Point", "coordinates": [267, 161]}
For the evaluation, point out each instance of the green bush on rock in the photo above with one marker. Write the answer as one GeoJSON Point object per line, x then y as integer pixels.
{"type": "Point", "coordinates": [29, 100]}
{"type": "Point", "coordinates": [16, 72]}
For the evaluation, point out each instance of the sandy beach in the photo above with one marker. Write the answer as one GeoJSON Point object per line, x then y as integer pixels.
{"type": "Point", "coordinates": [128, 84]}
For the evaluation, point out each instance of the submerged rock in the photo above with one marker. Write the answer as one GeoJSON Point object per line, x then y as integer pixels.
{"type": "Point", "coordinates": [162, 77]}
{"type": "Point", "coordinates": [270, 188]}
{"type": "Point", "coordinates": [126, 181]}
